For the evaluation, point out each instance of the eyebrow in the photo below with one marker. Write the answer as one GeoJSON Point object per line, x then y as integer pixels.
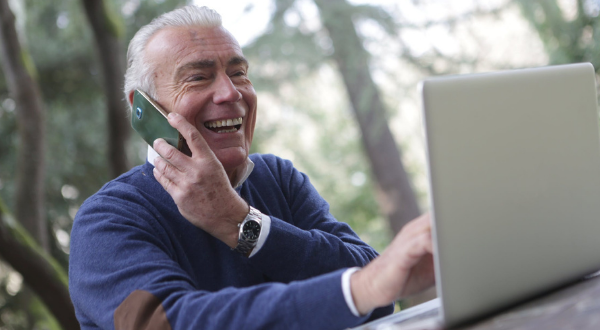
{"type": "Point", "coordinates": [204, 64]}
{"type": "Point", "coordinates": [237, 60]}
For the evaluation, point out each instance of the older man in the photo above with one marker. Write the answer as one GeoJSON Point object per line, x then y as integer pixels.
{"type": "Point", "coordinates": [212, 238]}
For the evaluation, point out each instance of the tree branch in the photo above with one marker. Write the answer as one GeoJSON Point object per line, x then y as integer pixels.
{"type": "Point", "coordinates": [20, 72]}
{"type": "Point", "coordinates": [110, 53]}
{"type": "Point", "coordinates": [40, 272]}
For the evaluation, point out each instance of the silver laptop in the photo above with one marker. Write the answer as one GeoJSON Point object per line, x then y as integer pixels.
{"type": "Point", "coordinates": [514, 166]}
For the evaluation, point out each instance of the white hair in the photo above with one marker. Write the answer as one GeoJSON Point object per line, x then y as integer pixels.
{"type": "Point", "coordinates": [139, 74]}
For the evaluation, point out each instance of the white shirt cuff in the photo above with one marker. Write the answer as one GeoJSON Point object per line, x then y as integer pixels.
{"type": "Point", "coordinates": [348, 291]}
{"type": "Point", "coordinates": [264, 232]}
{"type": "Point", "coordinates": [152, 154]}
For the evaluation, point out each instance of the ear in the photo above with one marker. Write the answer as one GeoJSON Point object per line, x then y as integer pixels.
{"type": "Point", "coordinates": [130, 98]}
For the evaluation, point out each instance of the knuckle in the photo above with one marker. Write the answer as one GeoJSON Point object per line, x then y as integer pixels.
{"type": "Point", "coordinates": [167, 170]}
{"type": "Point", "coordinates": [162, 165]}
{"type": "Point", "coordinates": [158, 164]}
{"type": "Point", "coordinates": [194, 136]}
{"type": "Point", "coordinates": [169, 153]}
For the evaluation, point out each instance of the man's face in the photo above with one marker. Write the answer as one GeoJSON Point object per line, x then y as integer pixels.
{"type": "Point", "coordinates": [202, 74]}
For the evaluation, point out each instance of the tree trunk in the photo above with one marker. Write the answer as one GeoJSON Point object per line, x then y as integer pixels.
{"type": "Point", "coordinates": [20, 72]}
{"type": "Point", "coordinates": [40, 272]}
{"type": "Point", "coordinates": [396, 196]}
{"type": "Point", "coordinates": [111, 56]}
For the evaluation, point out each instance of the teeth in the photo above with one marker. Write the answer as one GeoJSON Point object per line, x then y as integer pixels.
{"type": "Point", "coordinates": [221, 123]}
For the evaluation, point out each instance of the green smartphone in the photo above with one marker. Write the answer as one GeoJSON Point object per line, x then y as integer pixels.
{"type": "Point", "coordinates": [150, 121]}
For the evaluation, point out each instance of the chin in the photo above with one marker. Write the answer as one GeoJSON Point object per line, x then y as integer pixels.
{"type": "Point", "coordinates": [232, 158]}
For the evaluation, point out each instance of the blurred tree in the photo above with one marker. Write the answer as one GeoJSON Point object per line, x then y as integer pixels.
{"type": "Point", "coordinates": [108, 33]}
{"type": "Point", "coordinates": [304, 51]}
{"type": "Point", "coordinates": [70, 77]}
{"type": "Point", "coordinates": [570, 31]}
{"type": "Point", "coordinates": [39, 270]}
{"type": "Point", "coordinates": [286, 63]}
{"type": "Point", "coordinates": [397, 198]}
{"type": "Point", "coordinates": [291, 64]}
{"type": "Point", "coordinates": [20, 74]}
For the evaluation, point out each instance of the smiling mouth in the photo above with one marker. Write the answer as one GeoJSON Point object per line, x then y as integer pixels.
{"type": "Point", "coordinates": [224, 126]}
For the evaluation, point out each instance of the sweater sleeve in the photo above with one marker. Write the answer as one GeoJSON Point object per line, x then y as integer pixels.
{"type": "Point", "coordinates": [124, 275]}
{"type": "Point", "coordinates": [305, 240]}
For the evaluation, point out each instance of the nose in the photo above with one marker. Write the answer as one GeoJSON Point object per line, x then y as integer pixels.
{"type": "Point", "coordinates": [225, 91]}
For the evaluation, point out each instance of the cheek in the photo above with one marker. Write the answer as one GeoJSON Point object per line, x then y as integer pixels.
{"type": "Point", "coordinates": [184, 105]}
{"type": "Point", "coordinates": [249, 96]}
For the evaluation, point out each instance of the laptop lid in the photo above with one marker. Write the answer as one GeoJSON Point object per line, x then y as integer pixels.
{"type": "Point", "coordinates": [514, 166]}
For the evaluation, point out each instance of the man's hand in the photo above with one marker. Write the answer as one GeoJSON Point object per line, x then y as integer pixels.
{"type": "Point", "coordinates": [199, 185]}
{"type": "Point", "coordinates": [403, 269]}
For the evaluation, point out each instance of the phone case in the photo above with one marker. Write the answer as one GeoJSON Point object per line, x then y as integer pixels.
{"type": "Point", "coordinates": [150, 121]}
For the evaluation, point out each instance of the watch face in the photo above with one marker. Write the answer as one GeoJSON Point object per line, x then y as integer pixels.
{"type": "Point", "coordinates": [251, 230]}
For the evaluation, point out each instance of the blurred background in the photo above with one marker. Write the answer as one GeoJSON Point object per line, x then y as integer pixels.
{"type": "Point", "coordinates": [337, 84]}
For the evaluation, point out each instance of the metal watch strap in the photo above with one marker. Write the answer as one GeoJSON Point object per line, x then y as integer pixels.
{"type": "Point", "coordinates": [245, 245]}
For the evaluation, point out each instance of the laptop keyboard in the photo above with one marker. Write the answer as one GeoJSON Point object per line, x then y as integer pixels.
{"type": "Point", "coordinates": [420, 316]}
{"type": "Point", "coordinates": [426, 311]}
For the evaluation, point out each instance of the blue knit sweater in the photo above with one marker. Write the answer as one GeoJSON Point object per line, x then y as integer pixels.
{"type": "Point", "coordinates": [135, 258]}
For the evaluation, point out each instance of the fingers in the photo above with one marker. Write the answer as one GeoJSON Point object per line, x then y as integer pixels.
{"type": "Point", "coordinates": [421, 245]}
{"type": "Point", "coordinates": [406, 267]}
{"type": "Point", "coordinates": [422, 223]}
{"type": "Point", "coordinates": [190, 133]}
{"type": "Point", "coordinates": [167, 152]}
{"type": "Point", "coordinates": [412, 243]}
{"type": "Point", "coordinates": [165, 182]}
{"type": "Point", "coordinates": [414, 228]}
{"type": "Point", "coordinates": [166, 170]}
{"type": "Point", "coordinates": [165, 167]}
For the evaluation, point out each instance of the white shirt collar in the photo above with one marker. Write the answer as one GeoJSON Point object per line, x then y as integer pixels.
{"type": "Point", "coordinates": [241, 177]}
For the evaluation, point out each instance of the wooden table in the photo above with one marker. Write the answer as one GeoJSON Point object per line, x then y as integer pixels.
{"type": "Point", "coordinates": [574, 307]}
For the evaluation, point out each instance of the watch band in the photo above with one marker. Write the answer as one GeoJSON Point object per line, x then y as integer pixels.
{"type": "Point", "coordinates": [252, 222]}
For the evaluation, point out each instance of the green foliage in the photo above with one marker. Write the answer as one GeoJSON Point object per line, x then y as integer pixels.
{"type": "Point", "coordinates": [19, 233]}
{"type": "Point", "coordinates": [145, 12]}
{"type": "Point", "coordinates": [286, 53]}
{"type": "Point", "coordinates": [113, 20]}
{"type": "Point", "coordinates": [291, 64]}
{"type": "Point", "coordinates": [568, 38]}
{"type": "Point", "coordinates": [378, 15]}
{"type": "Point", "coordinates": [43, 317]}
{"type": "Point", "coordinates": [303, 108]}
{"type": "Point", "coordinates": [60, 45]}
{"type": "Point", "coordinates": [321, 138]}
{"type": "Point", "coordinates": [28, 64]}
{"type": "Point", "coordinates": [12, 315]}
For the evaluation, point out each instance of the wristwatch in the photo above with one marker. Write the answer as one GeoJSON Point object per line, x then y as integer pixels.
{"type": "Point", "coordinates": [249, 232]}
